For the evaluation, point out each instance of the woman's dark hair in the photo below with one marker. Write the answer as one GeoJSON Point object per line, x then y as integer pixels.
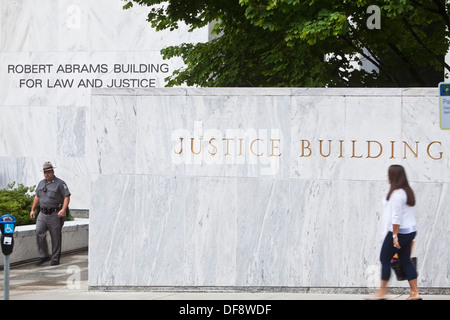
{"type": "Point", "coordinates": [398, 180]}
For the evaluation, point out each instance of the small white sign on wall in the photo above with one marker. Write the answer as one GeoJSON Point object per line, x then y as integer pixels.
{"type": "Point", "coordinates": [444, 105]}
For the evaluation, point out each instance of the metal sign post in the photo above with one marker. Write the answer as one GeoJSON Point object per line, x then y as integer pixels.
{"type": "Point", "coordinates": [6, 278]}
{"type": "Point", "coordinates": [7, 225]}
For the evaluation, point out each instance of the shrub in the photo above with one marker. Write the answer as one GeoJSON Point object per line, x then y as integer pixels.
{"type": "Point", "coordinates": [17, 201]}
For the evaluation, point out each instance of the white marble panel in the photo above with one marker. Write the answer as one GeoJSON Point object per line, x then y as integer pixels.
{"type": "Point", "coordinates": [361, 234]}
{"type": "Point", "coordinates": [160, 123]}
{"type": "Point", "coordinates": [22, 22]}
{"type": "Point", "coordinates": [315, 223]}
{"type": "Point", "coordinates": [318, 208]}
{"type": "Point", "coordinates": [71, 140]}
{"type": "Point", "coordinates": [265, 227]}
{"type": "Point", "coordinates": [74, 25]}
{"type": "Point", "coordinates": [210, 232]}
{"type": "Point", "coordinates": [160, 226]}
{"type": "Point", "coordinates": [433, 220]}
{"type": "Point", "coordinates": [27, 131]}
{"type": "Point", "coordinates": [113, 134]}
{"type": "Point", "coordinates": [112, 231]}
{"type": "Point", "coordinates": [13, 170]}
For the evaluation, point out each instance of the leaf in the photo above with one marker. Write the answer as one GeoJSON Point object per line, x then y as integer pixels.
{"type": "Point", "coordinates": [283, 42]}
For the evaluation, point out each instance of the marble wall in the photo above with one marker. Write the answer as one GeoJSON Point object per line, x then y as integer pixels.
{"type": "Point", "coordinates": [52, 54]}
{"type": "Point", "coordinates": [260, 187]}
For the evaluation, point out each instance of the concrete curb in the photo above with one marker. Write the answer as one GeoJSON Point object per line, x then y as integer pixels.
{"type": "Point", "coordinates": [75, 236]}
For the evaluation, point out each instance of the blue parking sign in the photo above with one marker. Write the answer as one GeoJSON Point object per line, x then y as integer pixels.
{"type": "Point", "coordinates": [444, 105]}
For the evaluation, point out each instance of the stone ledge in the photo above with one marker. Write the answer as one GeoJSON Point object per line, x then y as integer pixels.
{"type": "Point", "coordinates": [75, 236]}
{"type": "Point", "coordinates": [243, 91]}
{"type": "Point", "coordinates": [265, 289]}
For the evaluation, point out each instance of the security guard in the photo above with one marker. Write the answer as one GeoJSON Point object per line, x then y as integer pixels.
{"type": "Point", "coordinates": [53, 196]}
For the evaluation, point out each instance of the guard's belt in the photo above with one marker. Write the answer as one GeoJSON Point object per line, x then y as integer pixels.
{"type": "Point", "coordinates": [49, 210]}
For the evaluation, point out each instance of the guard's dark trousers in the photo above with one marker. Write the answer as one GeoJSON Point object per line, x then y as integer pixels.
{"type": "Point", "coordinates": [53, 224]}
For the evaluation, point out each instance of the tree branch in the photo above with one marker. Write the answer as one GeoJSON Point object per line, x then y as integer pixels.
{"type": "Point", "coordinates": [416, 37]}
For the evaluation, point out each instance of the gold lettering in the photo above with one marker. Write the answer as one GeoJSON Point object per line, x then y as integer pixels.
{"type": "Point", "coordinates": [306, 147]}
{"type": "Point", "coordinates": [329, 148]}
{"type": "Point", "coordinates": [416, 154]}
{"type": "Point", "coordinates": [181, 147]}
{"type": "Point", "coordinates": [392, 150]}
{"type": "Point", "coordinates": [275, 147]}
{"type": "Point", "coordinates": [251, 148]}
{"type": "Point", "coordinates": [215, 148]}
{"type": "Point", "coordinates": [368, 149]}
{"type": "Point", "coordinates": [428, 150]}
{"type": "Point", "coordinates": [227, 153]}
{"type": "Point", "coordinates": [240, 147]}
{"type": "Point", "coordinates": [341, 142]}
{"type": "Point", "coordinates": [353, 150]}
{"type": "Point", "coordinates": [192, 146]}
{"type": "Point", "coordinates": [257, 147]}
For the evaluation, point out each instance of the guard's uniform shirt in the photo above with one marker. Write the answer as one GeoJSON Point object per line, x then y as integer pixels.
{"type": "Point", "coordinates": [52, 194]}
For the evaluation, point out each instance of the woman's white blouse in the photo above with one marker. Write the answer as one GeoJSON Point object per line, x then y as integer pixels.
{"type": "Point", "coordinates": [396, 211]}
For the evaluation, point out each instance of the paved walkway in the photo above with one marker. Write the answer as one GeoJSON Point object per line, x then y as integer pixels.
{"type": "Point", "coordinates": [68, 281]}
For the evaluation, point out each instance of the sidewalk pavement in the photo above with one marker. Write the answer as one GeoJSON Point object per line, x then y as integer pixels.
{"type": "Point", "coordinates": [69, 281]}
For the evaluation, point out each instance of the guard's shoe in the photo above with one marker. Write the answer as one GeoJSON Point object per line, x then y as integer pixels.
{"type": "Point", "coordinates": [42, 260]}
{"type": "Point", "coordinates": [54, 263]}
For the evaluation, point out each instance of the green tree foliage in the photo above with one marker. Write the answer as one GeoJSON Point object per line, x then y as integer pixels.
{"type": "Point", "coordinates": [314, 43]}
{"type": "Point", "coordinates": [17, 201]}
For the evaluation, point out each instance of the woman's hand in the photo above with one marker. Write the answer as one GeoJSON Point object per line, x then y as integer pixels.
{"type": "Point", "coordinates": [396, 244]}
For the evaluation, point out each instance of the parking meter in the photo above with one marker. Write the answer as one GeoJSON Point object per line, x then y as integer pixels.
{"type": "Point", "coordinates": [7, 225]}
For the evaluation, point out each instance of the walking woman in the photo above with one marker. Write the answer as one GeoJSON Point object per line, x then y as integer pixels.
{"type": "Point", "coordinates": [400, 227]}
